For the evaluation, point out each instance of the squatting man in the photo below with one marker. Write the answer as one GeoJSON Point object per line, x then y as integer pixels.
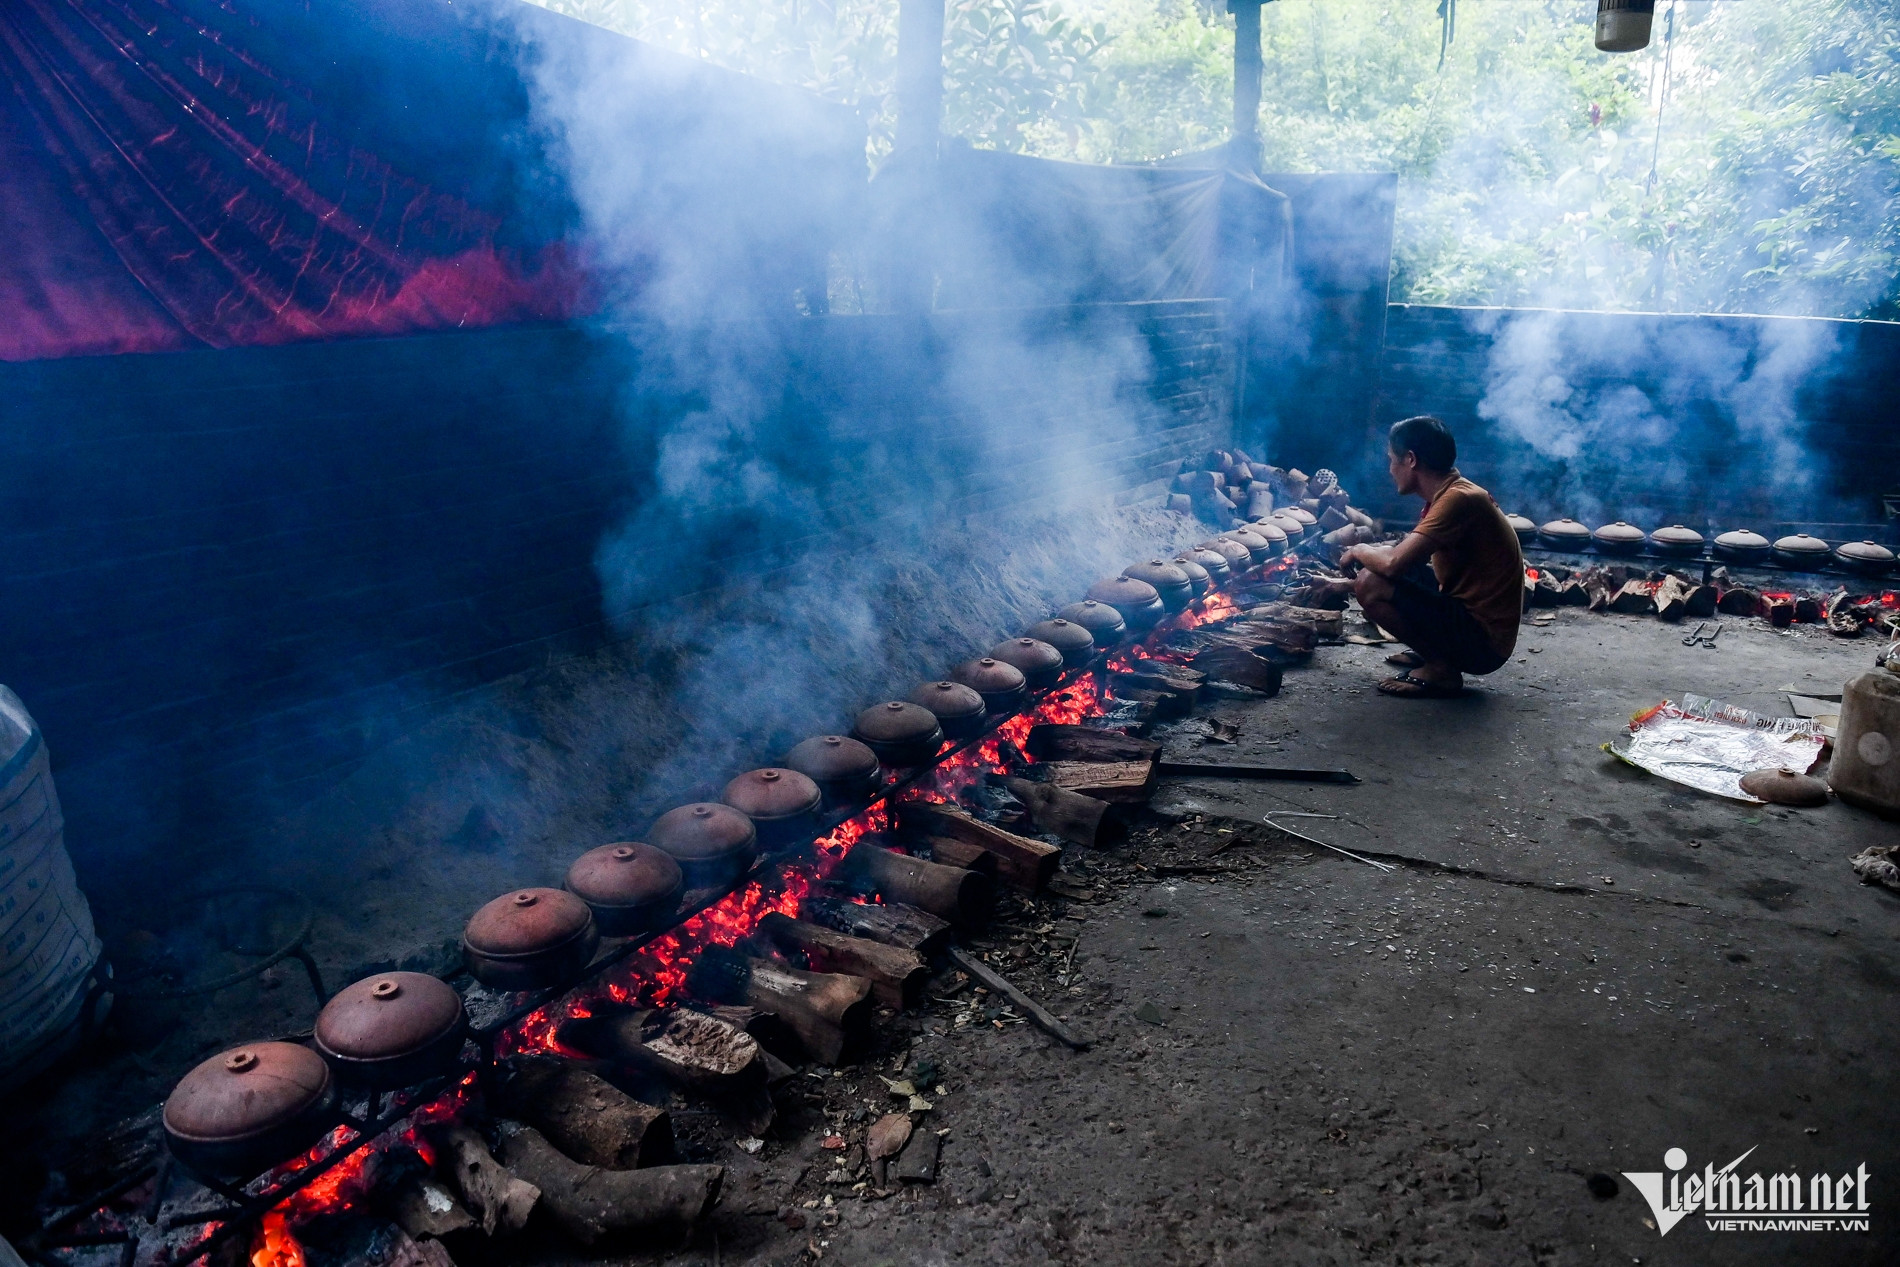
{"type": "Point", "coordinates": [1460, 615]}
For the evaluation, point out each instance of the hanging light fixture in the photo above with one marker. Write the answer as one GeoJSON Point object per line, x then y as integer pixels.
{"type": "Point", "coordinates": [1623, 25]}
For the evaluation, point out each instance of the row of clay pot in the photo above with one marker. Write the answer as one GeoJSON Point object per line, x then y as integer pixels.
{"type": "Point", "coordinates": [1736, 546]}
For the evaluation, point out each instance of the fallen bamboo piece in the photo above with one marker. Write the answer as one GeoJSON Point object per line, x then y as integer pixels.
{"type": "Point", "coordinates": [1026, 864]}
{"type": "Point", "coordinates": [588, 1203]}
{"type": "Point", "coordinates": [1022, 1002]}
{"type": "Point", "coordinates": [499, 1199]}
{"type": "Point", "coordinates": [897, 976]}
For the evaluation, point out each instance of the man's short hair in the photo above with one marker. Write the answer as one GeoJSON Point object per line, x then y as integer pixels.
{"type": "Point", "coordinates": [1426, 438]}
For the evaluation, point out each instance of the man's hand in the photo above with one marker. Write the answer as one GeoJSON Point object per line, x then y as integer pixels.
{"type": "Point", "coordinates": [1391, 562]}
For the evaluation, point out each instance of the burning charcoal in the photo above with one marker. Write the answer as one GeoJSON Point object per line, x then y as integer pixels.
{"type": "Point", "coordinates": [588, 1203]}
{"type": "Point", "coordinates": [590, 1120]}
{"type": "Point", "coordinates": [1026, 864]}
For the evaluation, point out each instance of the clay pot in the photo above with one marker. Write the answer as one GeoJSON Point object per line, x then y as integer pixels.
{"type": "Point", "coordinates": [1199, 582]}
{"type": "Point", "coordinates": [1003, 687]}
{"type": "Point", "coordinates": [1075, 642]}
{"type": "Point", "coordinates": [845, 771]}
{"type": "Point", "coordinates": [1103, 622]}
{"type": "Point", "coordinates": [713, 843]}
{"type": "Point", "coordinates": [1801, 550]}
{"type": "Point", "coordinates": [530, 939]}
{"type": "Point", "coordinates": [1525, 529]}
{"type": "Point", "coordinates": [782, 804]}
{"type": "Point", "coordinates": [1213, 560]}
{"type": "Point", "coordinates": [1294, 529]}
{"type": "Point", "coordinates": [1742, 546]}
{"type": "Point", "coordinates": [900, 733]}
{"type": "Point", "coordinates": [631, 887]}
{"type": "Point", "coordinates": [958, 708]}
{"type": "Point", "coordinates": [392, 1030]}
{"type": "Point", "coordinates": [1619, 538]}
{"type": "Point", "coordinates": [1259, 548]}
{"type": "Point", "coordinates": [1309, 519]}
{"type": "Point", "coordinates": [1565, 534]}
{"type": "Point", "coordinates": [1785, 787]}
{"type": "Point", "coordinates": [1039, 662]}
{"type": "Point", "coordinates": [1137, 601]}
{"type": "Point", "coordinates": [1239, 557]}
{"type": "Point", "coordinates": [248, 1109]}
{"type": "Point", "coordinates": [1170, 581]}
{"type": "Point", "coordinates": [1867, 557]}
{"type": "Point", "coordinates": [1275, 535]}
{"type": "Point", "coordinates": [1676, 540]}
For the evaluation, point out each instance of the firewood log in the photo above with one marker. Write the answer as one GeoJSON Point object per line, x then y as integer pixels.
{"type": "Point", "coordinates": [1739, 602]}
{"type": "Point", "coordinates": [897, 976]}
{"type": "Point", "coordinates": [1116, 782]}
{"type": "Point", "coordinates": [1633, 599]}
{"type": "Point", "coordinates": [501, 1200]}
{"type": "Point", "coordinates": [1054, 742]}
{"type": "Point", "coordinates": [830, 1012]}
{"type": "Point", "coordinates": [587, 1117]}
{"type": "Point", "coordinates": [1080, 819]}
{"type": "Point", "coordinates": [1026, 864]}
{"type": "Point", "coordinates": [952, 893]}
{"type": "Point", "coordinates": [588, 1203]}
{"type": "Point", "coordinates": [693, 1050]}
{"type": "Point", "coordinates": [1779, 611]}
{"type": "Point", "coordinates": [1671, 599]}
{"type": "Point", "coordinates": [958, 853]}
{"type": "Point", "coordinates": [1242, 667]}
{"type": "Point", "coordinates": [892, 923]}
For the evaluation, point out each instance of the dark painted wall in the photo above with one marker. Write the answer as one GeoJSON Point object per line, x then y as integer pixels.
{"type": "Point", "coordinates": [230, 573]}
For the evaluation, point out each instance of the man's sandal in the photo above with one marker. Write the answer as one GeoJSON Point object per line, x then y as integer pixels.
{"type": "Point", "coordinates": [1405, 686]}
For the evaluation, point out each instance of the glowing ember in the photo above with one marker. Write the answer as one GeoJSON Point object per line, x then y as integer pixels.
{"type": "Point", "coordinates": [274, 1246]}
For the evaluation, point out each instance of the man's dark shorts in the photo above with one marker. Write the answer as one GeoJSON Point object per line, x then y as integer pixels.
{"type": "Point", "coordinates": [1441, 628]}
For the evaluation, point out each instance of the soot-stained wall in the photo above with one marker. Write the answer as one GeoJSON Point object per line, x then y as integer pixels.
{"type": "Point", "coordinates": [232, 573]}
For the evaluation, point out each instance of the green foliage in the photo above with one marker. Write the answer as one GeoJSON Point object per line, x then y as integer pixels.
{"type": "Point", "coordinates": [1525, 161]}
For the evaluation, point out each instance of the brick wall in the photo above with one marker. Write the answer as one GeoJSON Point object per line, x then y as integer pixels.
{"type": "Point", "coordinates": [232, 572]}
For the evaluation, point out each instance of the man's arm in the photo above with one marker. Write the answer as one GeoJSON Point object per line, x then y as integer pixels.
{"type": "Point", "coordinates": [1392, 562]}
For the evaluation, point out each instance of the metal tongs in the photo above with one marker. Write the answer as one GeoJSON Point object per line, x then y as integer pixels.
{"type": "Point", "coordinates": [1705, 639]}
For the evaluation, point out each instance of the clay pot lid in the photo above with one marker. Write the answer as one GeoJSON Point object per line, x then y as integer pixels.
{"type": "Point", "coordinates": [246, 1092]}
{"type": "Point", "coordinates": [1247, 537]}
{"type": "Point", "coordinates": [990, 676]}
{"type": "Point", "coordinates": [1158, 574]}
{"type": "Point", "coordinates": [388, 1015]}
{"type": "Point", "coordinates": [1065, 635]}
{"type": "Point", "coordinates": [1620, 533]}
{"type": "Point", "coordinates": [1029, 655]}
{"type": "Point", "coordinates": [1268, 529]}
{"type": "Point", "coordinates": [527, 922]}
{"type": "Point", "coordinates": [1293, 528]}
{"type": "Point", "coordinates": [1306, 517]}
{"type": "Point", "coordinates": [1212, 560]}
{"type": "Point", "coordinates": [1520, 524]}
{"type": "Point", "coordinates": [1237, 555]}
{"type": "Point", "coordinates": [625, 873]}
{"type": "Point", "coordinates": [896, 722]}
{"type": "Point", "coordinates": [950, 699]}
{"type": "Point", "coordinates": [702, 832]}
{"type": "Point", "coordinates": [1565, 530]}
{"type": "Point", "coordinates": [1125, 593]}
{"type": "Point", "coordinates": [1742, 539]}
{"type": "Point", "coordinates": [1864, 552]}
{"type": "Point", "coordinates": [772, 793]}
{"type": "Point", "coordinates": [830, 758]}
{"type": "Point", "coordinates": [1676, 535]}
{"type": "Point", "coordinates": [1801, 543]}
{"type": "Point", "coordinates": [1196, 574]}
{"type": "Point", "coordinates": [1102, 621]}
{"type": "Point", "coordinates": [1785, 787]}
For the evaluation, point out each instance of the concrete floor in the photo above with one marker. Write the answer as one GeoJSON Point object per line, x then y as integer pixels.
{"type": "Point", "coordinates": [1346, 1066]}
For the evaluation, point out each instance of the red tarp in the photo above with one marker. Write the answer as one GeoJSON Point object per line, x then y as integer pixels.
{"type": "Point", "coordinates": [230, 172]}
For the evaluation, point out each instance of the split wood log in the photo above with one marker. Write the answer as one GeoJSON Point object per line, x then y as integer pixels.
{"type": "Point", "coordinates": [588, 1203]}
{"type": "Point", "coordinates": [957, 853]}
{"type": "Point", "coordinates": [1026, 864]}
{"type": "Point", "coordinates": [1700, 602]}
{"type": "Point", "coordinates": [1168, 700]}
{"type": "Point", "coordinates": [1326, 622]}
{"type": "Point", "coordinates": [897, 976]}
{"type": "Point", "coordinates": [1245, 668]}
{"type": "Point", "coordinates": [829, 1012]}
{"type": "Point", "coordinates": [1671, 599]}
{"type": "Point", "coordinates": [689, 1049]}
{"type": "Point", "coordinates": [499, 1199]}
{"type": "Point", "coordinates": [1779, 611]}
{"type": "Point", "coordinates": [1633, 599]}
{"type": "Point", "coordinates": [1739, 601]}
{"type": "Point", "coordinates": [1168, 675]}
{"type": "Point", "coordinates": [1079, 819]}
{"type": "Point", "coordinates": [1054, 742]}
{"type": "Point", "coordinates": [1036, 1012]}
{"type": "Point", "coordinates": [960, 896]}
{"type": "Point", "coordinates": [1117, 782]}
{"type": "Point", "coordinates": [1807, 609]}
{"type": "Point", "coordinates": [587, 1117]}
{"type": "Point", "coordinates": [892, 923]}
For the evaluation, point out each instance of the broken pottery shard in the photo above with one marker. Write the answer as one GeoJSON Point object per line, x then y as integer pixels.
{"type": "Point", "coordinates": [918, 1162]}
{"type": "Point", "coordinates": [887, 1135]}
